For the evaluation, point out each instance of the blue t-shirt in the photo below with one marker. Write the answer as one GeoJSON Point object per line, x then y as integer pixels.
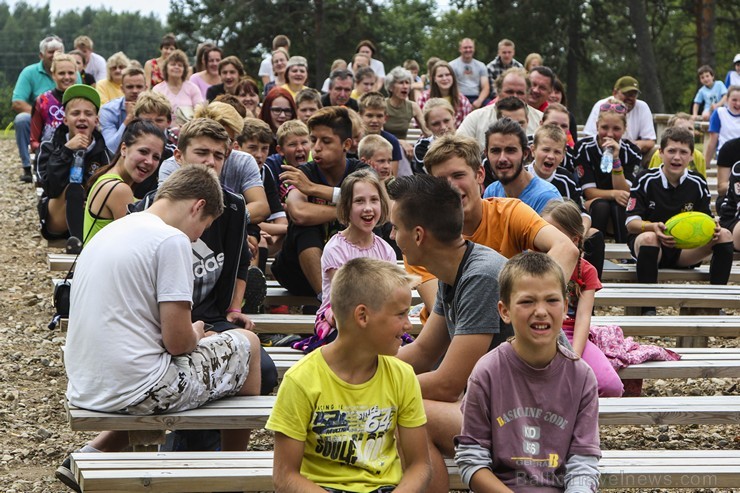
{"type": "Point", "coordinates": [709, 96]}
{"type": "Point", "coordinates": [536, 195]}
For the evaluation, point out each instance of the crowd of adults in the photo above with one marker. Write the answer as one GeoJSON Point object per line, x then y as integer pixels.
{"type": "Point", "coordinates": [114, 137]}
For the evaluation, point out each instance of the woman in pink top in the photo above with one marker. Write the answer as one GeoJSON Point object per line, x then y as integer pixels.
{"type": "Point", "coordinates": [210, 57]}
{"type": "Point", "coordinates": [181, 93]}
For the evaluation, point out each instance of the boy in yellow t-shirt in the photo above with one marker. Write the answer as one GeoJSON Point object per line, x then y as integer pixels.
{"type": "Point", "coordinates": [698, 163]}
{"type": "Point", "coordinates": [338, 409]}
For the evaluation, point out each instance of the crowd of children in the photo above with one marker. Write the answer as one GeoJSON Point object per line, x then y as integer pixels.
{"type": "Point", "coordinates": [502, 236]}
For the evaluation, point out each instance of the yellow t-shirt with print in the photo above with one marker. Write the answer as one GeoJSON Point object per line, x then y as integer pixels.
{"type": "Point", "coordinates": [348, 430]}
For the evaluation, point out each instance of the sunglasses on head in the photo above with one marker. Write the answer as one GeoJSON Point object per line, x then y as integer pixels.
{"type": "Point", "coordinates": [616, 107]}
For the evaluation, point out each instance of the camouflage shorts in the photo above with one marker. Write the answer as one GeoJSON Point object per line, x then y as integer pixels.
{"type": "Point", "coordinates": [217, 368]}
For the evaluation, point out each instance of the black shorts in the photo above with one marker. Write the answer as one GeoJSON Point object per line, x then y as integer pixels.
{"type": "Point", "coordinates": [668, 258]}
{"type": "Point", "coordinates": [43, 208]}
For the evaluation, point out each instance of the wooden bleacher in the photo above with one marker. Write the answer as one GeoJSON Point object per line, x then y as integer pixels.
{"type": "Point", "coordinates": [252, 412]}
{"type": "Point", "coordinates": [252, 471]}
{"type": "Point", "coordinates": [694, 363]}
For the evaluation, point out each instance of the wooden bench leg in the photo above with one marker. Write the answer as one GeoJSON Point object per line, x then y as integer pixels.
{"type": "Point", "coordinates": [146, 440]}
{"type": "Point", "coordinates": [695, 341]}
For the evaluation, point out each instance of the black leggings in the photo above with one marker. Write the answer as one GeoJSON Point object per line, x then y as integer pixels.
{"type": "Point", "coordinates": [602, 211]}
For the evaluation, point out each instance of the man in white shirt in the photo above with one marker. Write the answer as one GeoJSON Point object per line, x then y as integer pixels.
{"type": "Point", "coordinates": [640, 129]}
{"type": "Point", "coordinates": [94, 63]}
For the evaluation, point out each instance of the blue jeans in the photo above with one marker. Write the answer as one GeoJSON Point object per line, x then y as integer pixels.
{"type": "Point", "coordinates": [22, 123]}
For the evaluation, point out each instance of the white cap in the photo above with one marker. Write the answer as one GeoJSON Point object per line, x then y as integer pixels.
{"type": "Point", "coordinates": [737, 58]}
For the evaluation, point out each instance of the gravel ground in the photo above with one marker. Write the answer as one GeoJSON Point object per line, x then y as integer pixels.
{"type": "Point", "coordinates": [32, 381]}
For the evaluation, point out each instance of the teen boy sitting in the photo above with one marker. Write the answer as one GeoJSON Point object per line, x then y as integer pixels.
{"type": "Point", "coordinates": [508, 226]}
{"type": "Point", "coordinates": [311, 200]}
{"type": "Point", "coordinates": [658, 195]}
{"type": "Point", "coordinates": [220, 258]}
{"type": "Point", "coordinates": [427, 219]}
{"type": "Point", "coordinates": [530, 413]}
{"type": "Point", "coordinates": [62, 203]}
{"type": "Point", "coordinates": [729, 215]}
{"type": "Point", "coordinates": [345, 412]}
{"type": "Point", "coordinates": [132, 346]}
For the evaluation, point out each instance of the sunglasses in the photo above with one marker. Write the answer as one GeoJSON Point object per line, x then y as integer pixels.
{"type": "Point", "coordinates": [616, 107]}
{"type": "Point", "coordinates": [284, 111]}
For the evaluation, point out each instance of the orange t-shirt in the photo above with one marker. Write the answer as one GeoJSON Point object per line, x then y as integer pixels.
{"type": "Point", "coordinates": [508, 226]}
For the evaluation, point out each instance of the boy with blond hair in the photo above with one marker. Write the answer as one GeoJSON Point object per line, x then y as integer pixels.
{"type": "Point", "coordinates": [345, 412]}
{"type": "Point", "coordinates": [530, 412]}
{"type": "Point", "coordinates": [374, 115]}
{"type": "Point", "coordinates": [293, 150]}
{"type": "Point", "coordinates": [156, 108]}
{"type": "Point", "coordinates": [697, 163]}
{"type": "Point", "coordinates": [377, 152]}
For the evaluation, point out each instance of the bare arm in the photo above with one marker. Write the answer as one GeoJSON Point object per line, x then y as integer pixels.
{"type": "Point", "coordinates": [645, 145]}
{"type": "Point", "coordinates": [485, 89]}
{"type": "Point", "coordinates": [695, 110]}
{"type": "Point", "coordinates": [711, 149]}
{"type": "Point", "coordinates": [305, 213]}
{"type": "Point", "coordinates": [235, 317]}
{"type": "Point", "coordinates": [419, 117]}
{"type": "Point", "coordinates": [447, 382]}
{"type": "Point", "coordinates": [583, 320]}
{"type": "Point", "coordinates": [295, 177]}
{"type": "Point", "coordinates": [148, 73]}
{"type": "Point", "coordinates": [278, 227]}
{"type": "Point", "coordinates": [552, 241]}
{"type": "Point", "coordinates": [20, 106]}
{"type": "Point", "coordinates": [428, 292]}
{"type": "Point", "coordinates": [723, 180]}
{"type": "Point", "coordinates": [286, 473]}
{"type": "Point", "coordinates": [412, 443]}
{"type": "Point", "coordinates": [179, 335]}
{"type": "Point", "coordinates": [256, 200]}
{"type": "Point", "coordinates": [428, 347]}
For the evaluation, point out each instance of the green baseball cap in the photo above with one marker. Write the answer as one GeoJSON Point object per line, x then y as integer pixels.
{"type": "Point", "coordinates": [81, 91]}
{"type": "Point", "coordinates": [624, 84]}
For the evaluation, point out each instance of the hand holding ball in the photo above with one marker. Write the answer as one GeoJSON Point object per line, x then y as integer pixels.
{"type": "Point", "coordinates": [690, 229]}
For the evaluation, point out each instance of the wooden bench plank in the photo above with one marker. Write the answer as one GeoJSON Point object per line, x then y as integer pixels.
{"type": "Point", "coordinates": [622, 251]}
{"type": "Point", "coordinates": [627, 272]}
{"type": "Point", "coordinates": [699, 363]}
{"type": "Point", "coordinates": [252, 412]}
{"type": "Point", "coordinates": [662, 326]}
{"type": "Point", "coordinates": [252, 471]}
{"type": "Point", "coordinates": [613, 294]}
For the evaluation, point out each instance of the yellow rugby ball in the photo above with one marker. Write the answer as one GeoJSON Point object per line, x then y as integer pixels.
{"type": "Point", "coordinates": [690, 229]}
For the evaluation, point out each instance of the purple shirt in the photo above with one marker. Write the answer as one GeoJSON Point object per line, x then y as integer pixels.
{"type": "Point", "coordinates": [531, 420]}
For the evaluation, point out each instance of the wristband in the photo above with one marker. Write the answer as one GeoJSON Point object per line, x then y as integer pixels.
{"type": "Point", "coordinates": [644, 223]}
{"type": "Point", "coordinates": [336, 195]}
{"type": "Point", "coordinates": [617, 171]}
{"type": "Point", "coordinates": [617, 164]}
{"type": "Point", "coordinates": [234, 310]}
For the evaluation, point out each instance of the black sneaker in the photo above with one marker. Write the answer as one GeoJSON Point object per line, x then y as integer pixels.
{"type": "Point", "coordinates": [648, 311]}
{"type": "Point", "coordinates": [73, 246]}
{"type": "Point", "coordinates": [64, 474]}
{"type": "Point", "coordinates": [278, 340]}
{"type": "Point", "coordinates": [26, 176]}
{"type": "Point", "coordinates": [256, 290]}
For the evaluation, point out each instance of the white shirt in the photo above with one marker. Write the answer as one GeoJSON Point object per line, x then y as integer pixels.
{"type": "Point", "coordinates": [266, 68]}
{"type": "Point", "coordinates": [115, 352]}
{"type": "Point", "coordinates": [477, 122]}
{"type": "Point", "coordinates": [96, 67]}
{"type": "Point", "coordinates": [639, 121]}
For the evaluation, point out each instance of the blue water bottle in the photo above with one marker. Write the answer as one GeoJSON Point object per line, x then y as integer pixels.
{"type": "Point", "coordinates": [607, 160]}
{"type": "Point", "coordinates": [78, 167]}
